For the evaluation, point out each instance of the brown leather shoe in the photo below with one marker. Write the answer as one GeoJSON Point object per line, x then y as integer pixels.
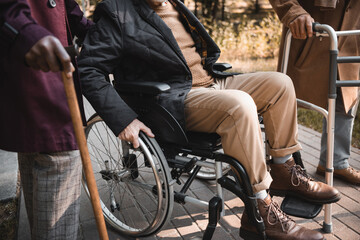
{"type": "Point", "coordinates": [291, 179]}
{"type": "Point", "coordinates": [349, 174]}
{"type": "Point", "coordinates": [278, 225]}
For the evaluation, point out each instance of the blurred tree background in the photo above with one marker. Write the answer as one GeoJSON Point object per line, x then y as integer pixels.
{"type": "Point", "coordinates": [248, 34]}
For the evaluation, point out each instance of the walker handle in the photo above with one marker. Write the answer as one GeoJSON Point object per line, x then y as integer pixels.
{"type": "Point", "coordinates": [314, 27]}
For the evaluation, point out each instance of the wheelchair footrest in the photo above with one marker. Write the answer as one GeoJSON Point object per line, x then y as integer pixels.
{"type": "Point", "coordinates": [215, 208]}
{"type": "Point", "coordinates": [300, 208]}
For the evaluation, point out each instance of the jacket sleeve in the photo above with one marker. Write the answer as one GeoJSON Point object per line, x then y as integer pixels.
{"type": "Point", "coordinates": [287, 10]}
{"type": "Point", "coordinates": [79, 25]}
{"type": "Point", "coordinates": [18, 29]}
{"type": "Point", "coordinates": [100, 54]}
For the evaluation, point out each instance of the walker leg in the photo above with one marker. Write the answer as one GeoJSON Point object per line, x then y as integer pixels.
{"type": "Point", "coordinates": [327, 226]}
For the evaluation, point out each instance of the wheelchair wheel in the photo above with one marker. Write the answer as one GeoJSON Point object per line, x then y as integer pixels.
{"type": "Point", "coordinates": [135, 195]}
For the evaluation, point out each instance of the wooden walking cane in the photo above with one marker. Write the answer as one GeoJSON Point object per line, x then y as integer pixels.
{"type": "Point", "coordinates": [84, 152]}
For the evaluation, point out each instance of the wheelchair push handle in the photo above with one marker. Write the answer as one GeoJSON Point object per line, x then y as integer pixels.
{"type": "Point", "coordinates": [73, 50]}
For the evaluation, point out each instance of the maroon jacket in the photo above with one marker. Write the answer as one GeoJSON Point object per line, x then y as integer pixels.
{"type": "Point", "coordinates": [34, 112]}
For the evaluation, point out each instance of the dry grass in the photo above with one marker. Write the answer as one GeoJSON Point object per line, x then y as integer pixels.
{"type": "Point", "coordinates": [251, 65]}
{"type": "Point", "coordinates": [246, 38]}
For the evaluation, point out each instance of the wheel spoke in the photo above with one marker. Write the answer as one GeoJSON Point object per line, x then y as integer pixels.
{"type": "Point", "coordinates": [126, 191]}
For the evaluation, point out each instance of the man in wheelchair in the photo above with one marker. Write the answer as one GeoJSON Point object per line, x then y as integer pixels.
{"type": "Point", "coordinates": [162, 41]}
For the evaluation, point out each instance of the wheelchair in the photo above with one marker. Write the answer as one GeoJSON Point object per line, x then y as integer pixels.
{"type": "Point", "coordinates": [136, 186]}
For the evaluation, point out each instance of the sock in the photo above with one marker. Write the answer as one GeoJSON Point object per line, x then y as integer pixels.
{"type": "Point", "coordinates": [261, 195]}
{"type": "Point", "coordinates": [281, 160]}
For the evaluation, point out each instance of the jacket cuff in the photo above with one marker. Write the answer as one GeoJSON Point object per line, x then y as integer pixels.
{"type": "Point", "coordinates": [27, 37]}
{"type": "Point", "coordinates": [293, 13]}
{"type": "Point", "coordinates": [326, 3]}
{"type": "Point", "coordinates": [126, 119]}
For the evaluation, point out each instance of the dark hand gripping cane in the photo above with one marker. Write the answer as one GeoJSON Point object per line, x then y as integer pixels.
{"type": "Point", "coordinates": [84, 152]}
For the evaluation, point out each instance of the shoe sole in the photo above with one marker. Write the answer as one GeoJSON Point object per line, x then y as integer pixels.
{"type": "Point", "coordinates": [282, 193]}
{"type": "Point", "coordinates": [321, 173]}
{"type": "Point", "coordinates": [247, 235]}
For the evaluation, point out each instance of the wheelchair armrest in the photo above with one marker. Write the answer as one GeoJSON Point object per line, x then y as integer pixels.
{"type": "Point", "coordinates": [152, 88]}
{"type": "Point", "coordinates": [222, 66]}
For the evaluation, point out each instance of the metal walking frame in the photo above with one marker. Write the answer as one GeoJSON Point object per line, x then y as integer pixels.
{"type": "Point", "coordinates": [323, 30]}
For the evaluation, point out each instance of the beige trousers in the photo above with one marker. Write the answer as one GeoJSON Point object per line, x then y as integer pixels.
{"type": "Point", "coordinates": [230, 107]}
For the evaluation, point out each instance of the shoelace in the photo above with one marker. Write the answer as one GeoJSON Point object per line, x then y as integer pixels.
{"type": "Point", "coordinates": [300, 175]}
{"type": "Point", "coordinates": [351, 170]}
{"type": "Point", "coordinates": [280, 216]}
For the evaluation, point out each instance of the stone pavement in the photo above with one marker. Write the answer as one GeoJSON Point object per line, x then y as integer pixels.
{"type": "Point", "coordinates": [9, 194]}
{"type": "Point", "coordinates": [188, 221]}
{"type": "Point", "coordinates": [8, 175]}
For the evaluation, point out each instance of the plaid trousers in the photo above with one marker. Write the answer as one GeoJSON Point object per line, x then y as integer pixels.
{"type": "Point", "coordinates": [52, 186]}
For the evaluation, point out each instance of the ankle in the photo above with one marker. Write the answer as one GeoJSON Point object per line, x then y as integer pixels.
{"type": "Point", "coordinates": [261, 194]}
{"type": "Point", "coordinates": [282, 160]}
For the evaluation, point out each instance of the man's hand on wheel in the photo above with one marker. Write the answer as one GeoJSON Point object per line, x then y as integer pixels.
{"type": "Point", "coordinates": [131, 132]}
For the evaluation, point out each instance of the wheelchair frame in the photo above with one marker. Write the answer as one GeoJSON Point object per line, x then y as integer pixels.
{"type": "Point", "coordinates": [323, 30]}
{"type": "Point", "coordinates": [183, 153]}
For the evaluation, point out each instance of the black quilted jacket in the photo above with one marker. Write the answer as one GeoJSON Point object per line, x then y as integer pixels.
{"type": "Point", "coordinates": [131, 41]}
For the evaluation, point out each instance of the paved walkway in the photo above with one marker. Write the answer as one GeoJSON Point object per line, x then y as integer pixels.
{"type": "Point", "coordinates": [188, 221]}
{"type": "Point", "coordinates": [8, 175]}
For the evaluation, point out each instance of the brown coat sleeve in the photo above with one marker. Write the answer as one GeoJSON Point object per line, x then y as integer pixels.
{"type": "Point", "coordinates": [287, 10]}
